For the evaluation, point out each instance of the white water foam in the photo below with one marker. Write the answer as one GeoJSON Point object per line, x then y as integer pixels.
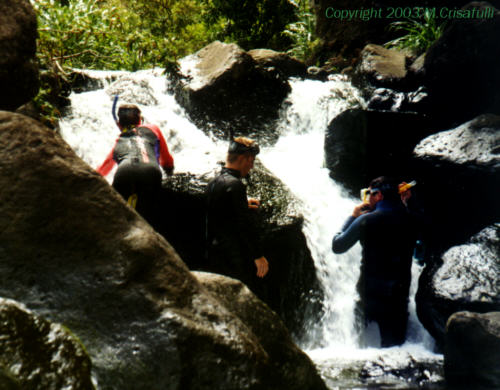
{"type": "Point", "coordinates": [297, 159]}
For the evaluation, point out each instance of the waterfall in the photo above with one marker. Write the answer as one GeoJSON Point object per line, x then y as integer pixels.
{"type": "Point", "coordinates": [296, 158]}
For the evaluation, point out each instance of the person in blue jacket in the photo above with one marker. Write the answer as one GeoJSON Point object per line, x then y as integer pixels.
{"type": "Point", "coordinates": [386, 232]}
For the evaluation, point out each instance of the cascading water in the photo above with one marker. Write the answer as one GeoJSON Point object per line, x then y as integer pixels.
{"type": "Point", "coordinates": [297, 159]}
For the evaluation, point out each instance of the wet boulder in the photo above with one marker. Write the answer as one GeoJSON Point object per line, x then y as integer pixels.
{"type": "Point", "coordinates": [363, 144]}
{"type": "Point", "coordinates": [270, 59]}
{"type": "Point", "coordinates": [224, 89]}
{"type": "Point", "coordinates": [73, 252]}
{"type": "Point", "coordinates": [386, 99]}
{"type": "Point", "coordinates": [472, 350]}
{"type": "Point", "coordinates": [387, 368]}
{"type": "Point", "coordinates": [458, 170]}
{"type": "Point", "coordinates": [461, 70]}
{"type": "Point", "coordinates": [38, 354]}
{"type": "Point", "coordinates": [132, 90]}
{"type": "Point", "coordinates": [465, 278]}
{"type": "Point", "coordinates": [390, 80]}
{"type": "Point", "coordinates": [379, 67]}
{"type": "Point", "coordinates": [291, 287]}
{"type": "Point", "coordinates": [267, 326]}
{"type": "Point", "coordinates": [18, 69]}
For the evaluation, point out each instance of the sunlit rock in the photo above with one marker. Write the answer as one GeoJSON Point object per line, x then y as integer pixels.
{"type": "Point", "coordinates": [460, 171]}
{"type": "Point", "coordinates": [467, 277]}
{"type": "Point", "coordinates": [396, 367]}
{"type": "Point", "coordinates": [288, 66]}
{"type": "Point", "coordinates": [223, 89]}
{"type": "Point", "coordinates": [380, 67]}
{"type": "Point", "coordinates": [131, 90]}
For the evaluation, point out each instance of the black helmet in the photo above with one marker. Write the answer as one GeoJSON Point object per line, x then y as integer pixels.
{"type": "Point", "coordinates": [239, 148]}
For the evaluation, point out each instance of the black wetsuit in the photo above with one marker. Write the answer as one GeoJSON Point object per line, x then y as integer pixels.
{"type": "Point", "coordinates": [232, 244]}
{"type": "Point", "coordinates": [138, 169]}
{"type": "Point", "coordinates": [139, 153]}
{"type": "Point", "coordinates": [387, 236]}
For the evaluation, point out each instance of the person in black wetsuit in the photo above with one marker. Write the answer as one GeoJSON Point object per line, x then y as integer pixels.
{"type": "Point", "coordinates": [387, 235]}
{"type": "Point", "coordinates": [139, 151]}
{"type": "Point", "coordinates": [233, 248]}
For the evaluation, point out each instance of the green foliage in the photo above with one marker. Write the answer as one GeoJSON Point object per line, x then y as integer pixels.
{"type": "Point", "coordinates": [76, 35]}
{"type": "Point", "coordinates": [252, 23]}
{"type": "Point", "coordinates": [111, 34]}
{"type": "Point", "coordinates": [420, 34]}
{"type": "Point", "coordinates": [302, 33]}
{"type": "Point", "coordinates": [133, 35]}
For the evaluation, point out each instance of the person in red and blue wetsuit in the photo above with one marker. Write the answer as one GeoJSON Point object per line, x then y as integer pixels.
{"type": "Point", "coordinates": [139, 151]}
{"type": "Point", "coordinates": [387, 232]}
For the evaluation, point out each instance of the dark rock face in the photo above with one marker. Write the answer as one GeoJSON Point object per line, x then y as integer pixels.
{"type": "Point", "coordinates": [361, 145]}
{"type": "Point", "coordinates": [462, 86]}
{"type": "Point", "coordinates": [466, 277]}
{"type": "Point", "coordinates": [472, 350]}
{"type": "Point", "coordinates": [40, 354]}
{"type": "Point", "coordinates": [459, 173]}
{"type": "Point", "coordinates": [73, 252]}
{"type": "Point", "coordinates": [345, 37]}
{"type": "Point", "coordinates": [291, 283]}
{"type": "Point", "coordinates": [267, 326]}
{"type": "Point", "coordinates": [18, 69]}
{"type": "Point", "coordinates": [223, 89]}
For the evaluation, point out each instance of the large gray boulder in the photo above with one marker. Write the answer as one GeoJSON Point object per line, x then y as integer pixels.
{"type": "Point", "coordinates": [466, 277]}
{"type": "Point", "coordinates": [459, 170]}
{"type": "Point", "coordinates": [38, 354]}
{"type": "Point", "coordinates": [271, 59]}
{"type": "Point", "coordinates": [472, 351]}
{"type": "Point", "coordinates": [224, 89]}
{"type": "Point", "coordinates": [18, 69]}
{"type": "Point", "coordinates": [73, 252]}
{"type": "Point", "coordinates": [380, 67]}
{"type": "Point", "coordinates": [266, 325]}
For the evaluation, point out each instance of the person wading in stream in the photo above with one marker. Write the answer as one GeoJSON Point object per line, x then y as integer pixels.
{"type": "Point", "coordinates": [232, 243]}
{"type": "Point", "coordinates": [386, 231]}
{"type": "Point", "coordinates": [139, 151]}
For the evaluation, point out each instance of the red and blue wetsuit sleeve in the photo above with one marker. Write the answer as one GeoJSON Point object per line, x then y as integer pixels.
{"type": "Point", "coordinates": [163, 156]}
{"type": "Point", "coordinates": [108, 163]}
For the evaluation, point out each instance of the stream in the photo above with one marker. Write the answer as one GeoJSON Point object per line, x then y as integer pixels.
{"type": "Point", "coordinates": [297, 159]}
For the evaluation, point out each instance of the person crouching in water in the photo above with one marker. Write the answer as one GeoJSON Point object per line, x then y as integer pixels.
{"type": "Point", "coordinates": [139, 151]}
{"type": "Point", "coordinates": [386, 232]}
{"type": "Point", "coordinates": [233, 248]}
